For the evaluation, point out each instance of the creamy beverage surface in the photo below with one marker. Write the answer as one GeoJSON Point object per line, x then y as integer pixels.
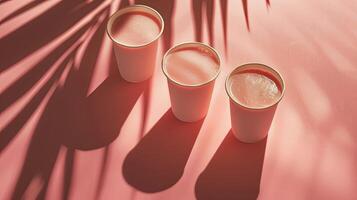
{"type": "Point", "coordinates": [191, 65]}
{"type": "Point", "coordinates": [135, 28]}
{"type": "Point", "coordinates": [254, 89]}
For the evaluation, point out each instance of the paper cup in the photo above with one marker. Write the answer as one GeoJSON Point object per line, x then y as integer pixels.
{"type": "Point", "coordinates": [251, 124]}
{"type": "Point", "coordinates": [136, 63]}
{"type": "Point", "coordinates": [190, 103]}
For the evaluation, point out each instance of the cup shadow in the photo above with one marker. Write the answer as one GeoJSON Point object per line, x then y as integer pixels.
{"type": "Point", "coordinates": [95, 121]}
{"type": "Point", "coordinates": [234, 172]}
{"type": "Point", "coordinates": [159, 160]}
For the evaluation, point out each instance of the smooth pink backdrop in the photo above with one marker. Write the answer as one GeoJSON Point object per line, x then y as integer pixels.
{"type": "Point", "coordinates": [58, 80]}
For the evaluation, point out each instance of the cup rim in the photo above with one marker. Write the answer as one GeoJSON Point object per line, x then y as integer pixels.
{"type": "Point", "coordinates": [250, 107]}
{"type": "Point", "coordinates": [191, 43]}
{"type": "Point", "coordinates": [128, 9]}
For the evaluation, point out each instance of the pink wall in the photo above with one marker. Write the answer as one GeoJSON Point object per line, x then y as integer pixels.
{"type": "Point", "coordinates": [70, 127]}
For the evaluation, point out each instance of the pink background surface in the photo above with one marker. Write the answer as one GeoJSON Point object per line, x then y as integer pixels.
{"type": "Point", "coordinates": [71, 128]}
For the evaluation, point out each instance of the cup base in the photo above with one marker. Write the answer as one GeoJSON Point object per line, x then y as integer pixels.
{"type": "Point", "coordinates": [248, 141]}
{"type": "Point", "coordinates": [134, 81]}
{"type": "Point", "coordinates": [188, 121]}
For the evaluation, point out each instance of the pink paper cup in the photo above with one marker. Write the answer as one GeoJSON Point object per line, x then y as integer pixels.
{"type": "Point", "coordinates": [252, 124]}
{"type": "Point", "coordinates": [136, 63]}
{"type": "Point", "coordinates": [190, 103]}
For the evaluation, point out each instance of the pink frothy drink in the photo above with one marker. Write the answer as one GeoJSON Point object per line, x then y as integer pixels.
{"type": "Point", "coordinates": [191, 70]}
{"type": "Point", "coordinates": [135, 28]}
{"type": "Point", "coordinates": [135, 31]}
{"type": "Point", "coordinates": [254, 91]}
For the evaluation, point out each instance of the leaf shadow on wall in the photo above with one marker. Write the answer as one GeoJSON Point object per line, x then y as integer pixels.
{"type": "Point", "coordinates": [64, 10]}
{"type": "Point", "coordinates": [234, 172]}
{"type": "Point", "coordinates": [158, 161]}
{"type": "Point", "coordinates": [19, 11]}
{"type": "Point", "coordinates": [27, 81]}
{"type": "Point", "coordinates": [44, 145]}
{"type": "Point", "coordinates": [206, 9]}
{"type": "Point", "coordinates": [43, 151]}
{"type": "Point", "coordinates": [200, 9]}
{"type": "Point", "coordinates": [79, 122]}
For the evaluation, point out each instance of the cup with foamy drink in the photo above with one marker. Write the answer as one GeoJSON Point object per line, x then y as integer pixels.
{"type": "Point", "coordinates": [191, 70]}
{"type": "Point", "coordinates": [135, 31]}
{"type": "Point", "coordinates": [254, 91]}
